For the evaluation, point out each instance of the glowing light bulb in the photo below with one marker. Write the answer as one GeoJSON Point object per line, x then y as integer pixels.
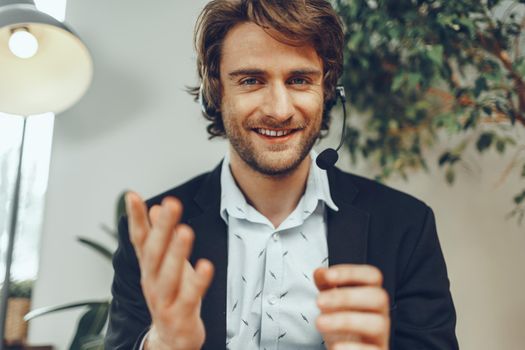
{"type": "Point", "coordinates": [22, 43]}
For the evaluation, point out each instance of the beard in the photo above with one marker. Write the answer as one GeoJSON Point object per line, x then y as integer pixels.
{"type": "Point", "coordinates": [276, 160]}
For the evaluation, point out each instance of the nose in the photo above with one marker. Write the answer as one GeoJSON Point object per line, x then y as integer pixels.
{"type": "Point", "coordinates": [278, 103]}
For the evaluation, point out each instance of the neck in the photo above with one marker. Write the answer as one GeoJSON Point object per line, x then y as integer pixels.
{"type": "Point", "coordinates": [273, 196]}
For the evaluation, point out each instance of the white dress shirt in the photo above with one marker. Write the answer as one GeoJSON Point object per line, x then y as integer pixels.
{"type": "Point", "coordinates": [271, 295]}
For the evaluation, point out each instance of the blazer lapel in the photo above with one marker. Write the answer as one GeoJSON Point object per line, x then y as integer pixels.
{"type": "Point", "coordinates": [347, 234]}
{"type": "Point", "coordinates": [211, 242]}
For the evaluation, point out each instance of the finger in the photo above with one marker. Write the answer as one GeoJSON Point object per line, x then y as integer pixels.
{"type": "Point", "coordinates": [154, 213]}
{"type": "Point", "coordinates": [157, 242]}
{"type": "Point", "coordinates": [372, 327]}
{"type": "Point", "coordinates": [372, 299]}
{"type": "Point", "coordinates": [172, 273]}
{"type": "Point", "coordinates": [192, 293]}
{"type": "Point", "coordinates": [204, 275]}
{"type": "Point", "coordinates": [138, 225]}
{"type": "Point", "coordinates": [320, 279]}
{"type": "Point", "coordinates": [348, 275]}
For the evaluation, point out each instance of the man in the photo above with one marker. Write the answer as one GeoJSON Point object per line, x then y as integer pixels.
{"type": "Point", "coordinates": [285, 255]}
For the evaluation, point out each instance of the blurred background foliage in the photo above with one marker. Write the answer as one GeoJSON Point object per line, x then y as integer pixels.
{"type": "Point", "coordinates": [418, 69]}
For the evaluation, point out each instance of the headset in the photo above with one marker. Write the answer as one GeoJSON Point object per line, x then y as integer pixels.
{"type": "Point", "coordinates": [327, 158]}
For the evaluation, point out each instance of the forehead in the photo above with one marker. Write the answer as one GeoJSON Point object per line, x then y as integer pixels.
{"type": "Point", "coordinates": [247, 45]}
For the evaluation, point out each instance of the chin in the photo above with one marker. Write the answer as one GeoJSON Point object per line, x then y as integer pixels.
{"type": "Point", "coordinates": [278, 163]}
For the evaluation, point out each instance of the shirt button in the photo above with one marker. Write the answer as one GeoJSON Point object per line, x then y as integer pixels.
{"type": "Point", "coordinates": [275, 237]}
{"type": "Point", "coordinates": [272, 300]}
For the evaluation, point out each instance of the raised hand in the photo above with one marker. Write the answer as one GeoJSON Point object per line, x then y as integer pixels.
{"type": "Point", "coordinates": [354, 308]}
{"type": "Point", "coordinates": [173, 289]}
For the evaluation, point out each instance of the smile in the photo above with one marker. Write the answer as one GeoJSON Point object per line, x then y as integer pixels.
{"type": "Point", "coordinates": [274, 133]}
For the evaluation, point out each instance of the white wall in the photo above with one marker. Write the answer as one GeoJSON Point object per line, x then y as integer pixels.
{"type": "Point", "coordinates": [137, 129]}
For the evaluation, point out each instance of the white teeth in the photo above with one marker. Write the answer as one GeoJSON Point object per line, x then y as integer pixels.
{"type": "Point", "coordinates": [273, 133]}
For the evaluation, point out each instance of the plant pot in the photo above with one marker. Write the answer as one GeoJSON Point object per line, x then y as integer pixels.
{"type": "Point", "coordinates": [16, 327]}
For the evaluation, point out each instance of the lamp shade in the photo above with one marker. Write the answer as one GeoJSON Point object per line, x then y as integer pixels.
{"type": "Point", "coordinates": [54, 78]}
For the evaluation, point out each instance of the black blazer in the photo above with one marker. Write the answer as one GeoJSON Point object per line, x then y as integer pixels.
{"type": "Point", "coordinates": [375, 225]}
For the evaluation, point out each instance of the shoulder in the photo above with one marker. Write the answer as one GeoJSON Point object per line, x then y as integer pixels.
{"type": "Point", "coordinates": [375, 197]}
{"type": "Point", "coordinates": [195, 193]}
{"type": "Point", "coordinates": [185, 191]}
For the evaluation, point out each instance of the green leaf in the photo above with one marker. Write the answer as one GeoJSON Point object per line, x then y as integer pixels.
{"type": "Point", "coordinates": [435, 53]}
{"type": "Point", "coordinates": [52, 309]}
{"type": "Point", "coordinates": [484, 141]}
{"type": "Point", "coordinates": [500, 146]}
{"type": "Point", "coordinates": [21, 289]}
{"type": "Point", "coordinates": [519, 198]}
{"type": "Point", "coordinates": [121, 207]}
{"type": "Point", "coordinates": [95, 342]}
{"type": "Point", "coordinates": [510, 141]}
{"type": "Point", "coordinates": [90, 324]}
{"type": "Point", "coordinates": [472, 119]}
{"type": "Point", "coordinates": [448, 157]}
{"type": "Point", "coordinates": [99, 248]}
{"type": "Point", "coordinates": [413, 80]}
{"type": "Point", "coordinates": [398, 81]}
{"type": "Point", "coordinates": [519, 66]}
{"type": "Point", "coordinates": [480, 86]}
{"type": "Point", "coordinates": [444, 158]}
{"type": "Point", "coordinates": [355, 40]}
{"type": "Point", "coordinates": [450, 175]}
{"type": "Point", "coordinates": [487, 110]}
{"type": "Point", "coordinates": [523, 171]}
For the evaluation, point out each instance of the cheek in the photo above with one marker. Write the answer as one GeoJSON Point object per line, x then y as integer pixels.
{"type": "Point", "coordinates": [311, 104]}
{"type": "Point", "coordinates": [237, 109]}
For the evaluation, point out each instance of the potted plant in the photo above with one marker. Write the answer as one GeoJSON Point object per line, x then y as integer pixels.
{"type": "Point", "coordinates": [19, 303]}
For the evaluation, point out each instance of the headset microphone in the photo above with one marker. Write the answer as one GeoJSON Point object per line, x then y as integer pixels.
{"type": "Point", "coordinates": [327, 158]}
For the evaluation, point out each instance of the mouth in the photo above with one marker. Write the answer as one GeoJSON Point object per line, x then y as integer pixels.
{"type": "Point", "coordinates": [276, 134]}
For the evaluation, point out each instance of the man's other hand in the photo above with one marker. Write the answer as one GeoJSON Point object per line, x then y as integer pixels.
{"type": "Point", "coordinates": [354, 308]}
{"type": "Point", "coordinates": [173, 289]}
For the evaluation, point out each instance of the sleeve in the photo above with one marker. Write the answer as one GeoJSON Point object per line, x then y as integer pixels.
{"type": "Point", "coordinates": [129, 318]}
{"type": "Point", "coordinates": [423, 315]}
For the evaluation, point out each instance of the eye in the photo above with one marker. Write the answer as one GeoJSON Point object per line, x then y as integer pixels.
{"type": "Point", "coordinates": [249, 81]}
{"type": "Point", "coordinates": [298, 81]}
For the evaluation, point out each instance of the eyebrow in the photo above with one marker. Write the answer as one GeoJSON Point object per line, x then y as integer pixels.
{"type": "Point", "coordinates": [245, 71]}
{"type": "Point", "coordinates": [258, 72]}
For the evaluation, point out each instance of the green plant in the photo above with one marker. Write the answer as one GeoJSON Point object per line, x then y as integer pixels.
{"type": "Point", "coordinates": [21, 289]}
{"type": "Point", "coordinates": [89, 333]}
{"type": "Point", "coordinates": [420, 69]}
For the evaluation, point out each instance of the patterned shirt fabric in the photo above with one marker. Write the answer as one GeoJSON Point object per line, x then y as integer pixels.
{"type": "Point", "coordinates": [271, 294]}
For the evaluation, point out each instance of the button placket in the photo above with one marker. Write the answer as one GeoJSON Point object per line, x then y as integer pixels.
{"type": "Point", "coordinates": [272, 287]}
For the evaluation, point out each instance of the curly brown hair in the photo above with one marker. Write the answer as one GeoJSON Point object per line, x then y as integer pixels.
{"type": "Point", "coordinates": [294, 22]}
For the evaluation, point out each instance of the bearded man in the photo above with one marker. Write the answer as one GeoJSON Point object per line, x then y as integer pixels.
{"type": "Point", "coordinates": [268, 251]}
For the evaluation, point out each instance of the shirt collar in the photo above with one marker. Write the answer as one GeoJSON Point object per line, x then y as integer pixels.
{"type": "Point", "coordinates": [233, 202]}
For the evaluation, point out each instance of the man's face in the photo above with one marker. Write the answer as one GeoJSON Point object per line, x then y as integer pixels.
{"type": "Point", "coordinates": [272, 99]}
